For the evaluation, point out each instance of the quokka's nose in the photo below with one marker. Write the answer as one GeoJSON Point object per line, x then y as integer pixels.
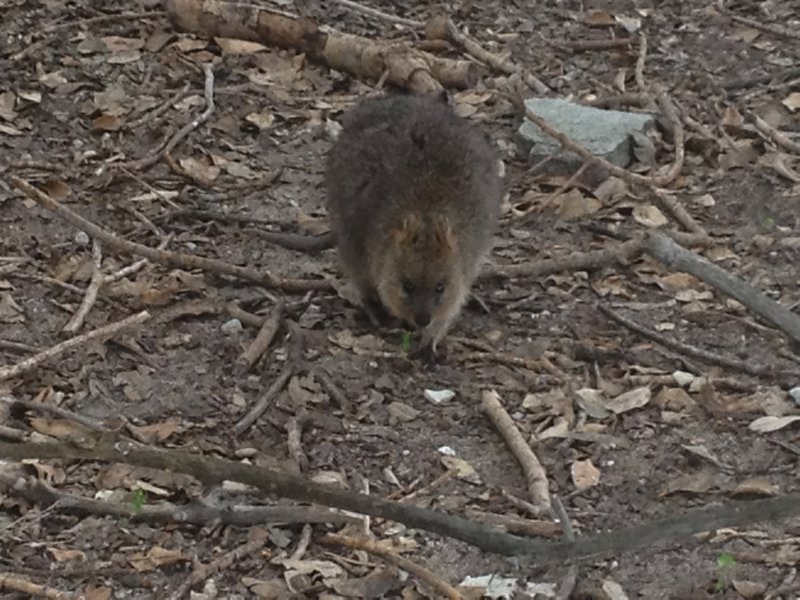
{"type": "Point", "coordinates": [422, 319]}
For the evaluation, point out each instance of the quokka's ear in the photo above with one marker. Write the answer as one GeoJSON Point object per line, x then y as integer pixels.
{"type": "Point", "coordinates": [409, 232]}
{"type": "Point", "coordinates": [444, 237]}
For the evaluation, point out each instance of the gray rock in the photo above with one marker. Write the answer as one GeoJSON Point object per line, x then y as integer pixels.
{"type": "Point", "coordinates": [605, 133]}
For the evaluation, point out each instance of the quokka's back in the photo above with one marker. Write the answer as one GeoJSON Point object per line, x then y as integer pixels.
{"type": "Point", "coordinates": [413, 199]}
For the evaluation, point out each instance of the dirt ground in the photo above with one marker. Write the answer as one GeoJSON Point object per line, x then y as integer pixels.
{"type": "Point", "coordinates": [89, 99]}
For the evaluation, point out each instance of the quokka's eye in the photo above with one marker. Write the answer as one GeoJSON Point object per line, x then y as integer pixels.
{"type": "Point", "coordinates": [439, 288]}
{"type": "Point", "coordinates": [408, 287]}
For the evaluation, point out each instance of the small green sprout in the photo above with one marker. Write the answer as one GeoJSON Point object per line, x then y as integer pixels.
{"type": "Point", "coordinates": [405, 342]}
{"type": "Point", "coordinates": [725, 565]}
{"type": "Point", "coordinates": [768, 223]}
{"type": "Point", "coordinates": [725, 561]}
{"type": "Point", "coordinates": [139, 499]}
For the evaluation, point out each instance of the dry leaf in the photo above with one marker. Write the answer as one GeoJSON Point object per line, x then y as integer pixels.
{"type": "Point", "coordinates": [96, 592]}
{"type": "Point", "coordinates": [157, 432]}
{"type": "Point", "coordinates": [756, 487]}
{"type": "Point", "coordinates": [64, 555]}
{"type": "Point", "coordinates": [584, 474]}
{"type": "Point", "coordinates": [399, 412]}
{"type": "Point", "coordinates": [199, 168]}
{"type": "Point", "coordinates": [236, 46]}
{"type": "Point", "coordinates": [461, 468]}
{"type": "Point", "coordinates": [57, 189]}
{"type": "Point", "coordinates": [107, 123]}
{"type": "Point", "coordinates": [611, 190]}
{"type": "Point", "coordinates": [792, 101]}
{"type": "Point", "coordinates": [769, 424]}
{"type": "Point", "coordinates": [373, 585]}
{"type": "Point", "coordinates": [749, 589]}
{"type": "Point", "coordinates": [600, 18]}
{"type": "Point", "coordinates": [675, 399]}
{"type": "Point", "coordinates": [271, 589]}
{"type": "Point", "coordinates": [59, 428]}
{"type": "Point", "coordinates": [120, 44]}
{"type": "Point", "coordinates": [732, 118]}
{"type": "Point", "coordinates": [695, 483]}
{"type": "Point", "coordinates": [295, 567]}
{"type": "Point", "coordinates": [635, 398]}
{"type": "Point", "coordinates": [190, 45]}
{"type": "Point", "coordinates": [263, 120]}
{"type": "Point", "coordinates": [573, 205]}
{"type": "Point", "coordinates": [156, 557]}
{"type": "Point", "coordinates": [649, 215]}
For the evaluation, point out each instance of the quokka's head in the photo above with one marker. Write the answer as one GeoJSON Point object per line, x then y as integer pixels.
{"type": "Point", "coordinates": [421, 278]}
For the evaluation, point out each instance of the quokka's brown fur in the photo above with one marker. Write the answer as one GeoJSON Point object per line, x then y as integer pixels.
{"type": "Point", "coordinates": [414, 195]}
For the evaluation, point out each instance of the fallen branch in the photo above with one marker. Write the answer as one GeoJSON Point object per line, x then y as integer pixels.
{"type": "Point", "coordinates": [674, 256]}
{"type": "Point", "coordinates": [34, 361]}
{"type": "Point", "coordinates": [533, 469]}
{"type": "Point", "coordinates": [177, 259]}
{"type": "Point", "coordinates": [212, 471]}
{"type": "Point", "coordinates": [165, 512]}
{"type": "Point", "coordinates": [574, 261]}
{"type": "Point", "coordinates": [404, 66]}
{"type": "Point", "coordinates": [418, 571]}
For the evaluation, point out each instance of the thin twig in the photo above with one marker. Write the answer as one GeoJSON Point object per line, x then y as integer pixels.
{"type": "Point", "coordinates": [106, 331]}
{"type": "Point", "coordinates": [184, 261]}
{"type": "Point", "coordinates": [671, 114]}
{"type": "Point", "coordinates": [776, 29]}
{"type": "Point", "coordinates": [640, 60]}
{"type": "Point", "coordinates": [186, 129]}
{"type": "Point", "coordinates": [9, 581]}
{"type": "Point", "coordinates": [443, 24]}
{"type": "Point", "coordinates": [202, 572]}
{"type": "Point", "coordinates": [533, 469]}
{"type": "Point", "coordinates": [567, 586]}
{"type": "Point", "coordinates": [303, 543]}
{"type": "Point", "coordinates": [76, 322]}
{"type": "Point", "coordinates": [57, 411]}
{"type": "Point", "coordinates": [678, 212]}
{"type": "Point", "coordinates": [778, 138]}
{"type": "Point", "coordinates": [134, 267]}
{"type": "Point", "coordinates": [424, 575]}
{"type": "Point", "coordinates": [381, 15]}
{"type": "Point", "coordinates": [592, 45]}
{"type": "Point", "coordinates": [262, 340]}
{"type": "Point", "coordinates": [134, 16]}
{"type": "Point", "coordinates": [265, 400]}
{"type": "Point", "coordinates": [692, 351]}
